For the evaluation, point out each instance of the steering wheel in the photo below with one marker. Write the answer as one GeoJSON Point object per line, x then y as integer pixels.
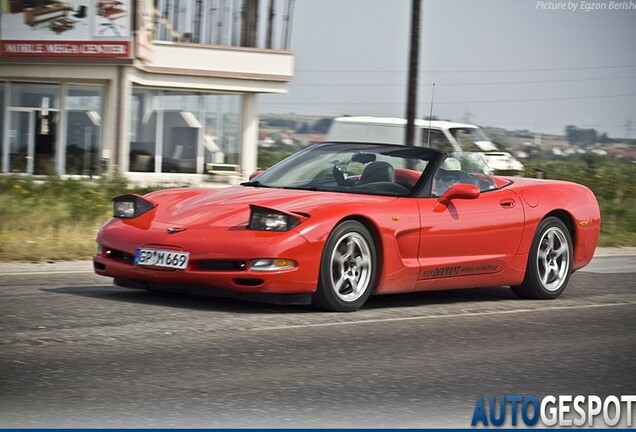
{"type": "Point", "coordinates": [339, 176]}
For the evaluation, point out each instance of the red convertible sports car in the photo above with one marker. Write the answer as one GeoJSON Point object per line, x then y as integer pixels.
{"type": "Point", "coordinates": [338, 222]}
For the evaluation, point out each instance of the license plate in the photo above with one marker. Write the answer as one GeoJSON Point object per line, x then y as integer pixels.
{"type": "Point", "coordinates": [161, 258]}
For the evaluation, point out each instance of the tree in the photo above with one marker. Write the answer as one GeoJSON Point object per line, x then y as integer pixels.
{"type": "Point", "coordinates": [303, 129]}
{"type": "Point", "coordinates": [580, 137]}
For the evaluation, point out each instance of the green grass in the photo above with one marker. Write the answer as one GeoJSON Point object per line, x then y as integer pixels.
{"type": "Point", "coordinates": [54, 219]}
{"type": "Point", "coordinates": [58, 219]}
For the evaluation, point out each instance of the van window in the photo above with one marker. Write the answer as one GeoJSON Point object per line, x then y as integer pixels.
{"type": "Point", "coordinates": [437, 140]}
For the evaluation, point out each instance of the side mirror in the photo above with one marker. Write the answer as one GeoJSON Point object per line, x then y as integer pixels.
{"type": "Point", "coordinates": [456, 191]}
{"type": "Point", "coordinates": [255, 173]}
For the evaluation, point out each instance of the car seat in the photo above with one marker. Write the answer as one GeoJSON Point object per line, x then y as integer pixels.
{"type": "Point", "coordinates": [377, 172]}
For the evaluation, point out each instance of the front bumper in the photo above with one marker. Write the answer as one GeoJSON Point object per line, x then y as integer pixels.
{"type": "Point", "coordinates": [295, 281]}
{"type": "Point", "coordinates": [219, 257]}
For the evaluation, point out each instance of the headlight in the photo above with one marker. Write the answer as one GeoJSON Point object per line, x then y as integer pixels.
{"type": "Point", "coordinates": [277, 264]}
{"type": "Point", "coordinates": [264, 219]}
{"type": "Point", "coordinates": [131, 206]}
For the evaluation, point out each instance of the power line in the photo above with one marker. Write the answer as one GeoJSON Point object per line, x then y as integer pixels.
{"type": "Point", "coordinates": [543, 99]}
{"type": "Point", "coordinates": [539, 81]}
{"type": "Point", "coordinates": [449, 84]}
{"type": "Point", "coordinates": [467, 71]}
{"type": "Point", "coordinates": [457, 102]}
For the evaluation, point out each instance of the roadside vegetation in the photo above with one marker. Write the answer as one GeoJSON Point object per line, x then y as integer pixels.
{"type": "Point", "coordinates": [58, 219]}
{"type": "Point", "coordinates": [54, 219]}
{"type": "Point", "coordinates": [613, 183]}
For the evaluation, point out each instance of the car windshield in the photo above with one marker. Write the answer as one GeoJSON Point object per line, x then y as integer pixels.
{"type": "Point", "coordinates": [375, 169]}
{"type": "Point", "coordinates": [471, 162]}
{"type": "Point", "coordinates": [464, 167]}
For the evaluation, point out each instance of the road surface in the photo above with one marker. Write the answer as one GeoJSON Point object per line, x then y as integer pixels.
{"type": "Point", "coordinates": [76, 351]}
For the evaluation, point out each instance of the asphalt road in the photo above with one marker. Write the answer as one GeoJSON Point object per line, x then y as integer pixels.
{"type": "Point", "coordinates": [76, 351]}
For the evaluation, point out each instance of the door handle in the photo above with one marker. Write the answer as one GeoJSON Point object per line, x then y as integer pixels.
{"type": "Point", "coordinates": [507, 203]}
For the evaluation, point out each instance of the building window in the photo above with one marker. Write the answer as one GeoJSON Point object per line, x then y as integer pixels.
{"type": "Point", "coordinates": [245, 23]}
{"type": "Point", "coordinates": [32, 129]}
{"type": "Point", "coordinates": [222, 137]}
{"type": "Point", "coordinates": [179, 131]}
{"type": "Point", "coordinates": [143, 130]}
{"type": "Point", "coordinates": [83, 130]}
{"type": "Point", "coordinates": [29, 95]}
{"type": "Point", "coordinates": [181, 128]}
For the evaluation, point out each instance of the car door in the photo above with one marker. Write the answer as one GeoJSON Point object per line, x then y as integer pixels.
{"type": "Point", "coordinates": [469, 236]}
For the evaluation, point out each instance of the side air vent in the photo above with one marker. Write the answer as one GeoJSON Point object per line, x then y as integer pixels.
{"type": "Point", "coordinates": [222, 265]}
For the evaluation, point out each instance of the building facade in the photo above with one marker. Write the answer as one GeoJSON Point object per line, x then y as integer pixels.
{"type": "Point", "coordinates": [156, 90]}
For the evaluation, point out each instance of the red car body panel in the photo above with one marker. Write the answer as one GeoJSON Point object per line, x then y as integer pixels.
{"type": "Point", "coordinates": [470, 243]}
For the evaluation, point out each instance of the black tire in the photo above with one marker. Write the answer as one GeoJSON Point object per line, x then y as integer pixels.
{"type": "Point", "coordinates": [549, 262]}
{"type": "Point", "coordinates": [348, 269]}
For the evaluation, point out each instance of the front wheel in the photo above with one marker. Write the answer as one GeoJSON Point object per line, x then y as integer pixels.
{"type": "Point", "coordinates": [347, 269]}
{"type": "Point", "coordinates": [549, 262]}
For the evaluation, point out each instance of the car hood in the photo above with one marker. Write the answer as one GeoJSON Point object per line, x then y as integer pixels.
{"type": "Point", "coordinates": [231, 206]}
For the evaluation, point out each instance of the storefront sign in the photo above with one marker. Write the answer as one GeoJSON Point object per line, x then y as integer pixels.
{"type": "Point", "coordinates": [64, 49]}
{"type": "Point", "coordinates": [66, 29]}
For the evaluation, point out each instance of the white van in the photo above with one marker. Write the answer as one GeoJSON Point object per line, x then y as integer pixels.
{"type": "Point", "coordinates": [442, 135]}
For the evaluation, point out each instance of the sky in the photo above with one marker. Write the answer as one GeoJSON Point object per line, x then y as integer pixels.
{"type": "Point", "coordinates": [515, 64]}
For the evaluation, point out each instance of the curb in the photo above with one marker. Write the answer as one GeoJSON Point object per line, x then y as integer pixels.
{"type": "Point", "coordinates": [604, 252]}
{"type": "Point", "coordinates": [86, 266]}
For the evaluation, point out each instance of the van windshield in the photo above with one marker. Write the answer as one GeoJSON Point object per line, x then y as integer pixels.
{"type": "Point", "coordinates": [472, 139]}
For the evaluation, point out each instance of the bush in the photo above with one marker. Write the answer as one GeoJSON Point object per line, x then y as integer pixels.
{"type": "Point", "coordinates": [613, 183]}
{"type": "Point", "coordinates": [268, 158]}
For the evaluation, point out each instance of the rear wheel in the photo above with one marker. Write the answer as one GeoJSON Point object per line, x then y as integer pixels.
{"type": "Point", "coordinates": [347, 270]}
{"type": "Point", "coordinates": [549, 262]}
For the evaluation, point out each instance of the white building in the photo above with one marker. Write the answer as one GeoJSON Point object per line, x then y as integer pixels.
{"type": "Point", "coordinates": [151, 89]}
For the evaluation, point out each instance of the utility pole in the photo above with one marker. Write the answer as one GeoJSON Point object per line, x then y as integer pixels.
{"type": "Point", "coordinates": [468, 115]}
{"type": "Point", "coordinates": [414, 54]}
